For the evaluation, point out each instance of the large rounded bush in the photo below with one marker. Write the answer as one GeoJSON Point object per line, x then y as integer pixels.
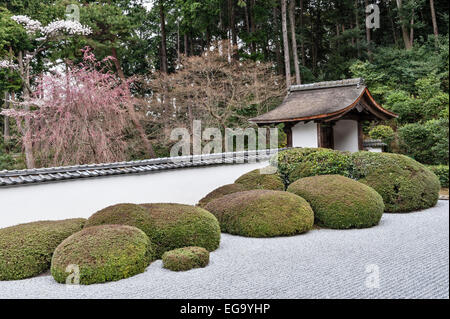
{"type": "Point", "coordinates": [262, 213]}
{"type": "Point", "coordinates": [123, 214]}
{"type": "Point", "coordinates": [258, 179]}
{"type": "Point", "coordinates": [323, 162]}
{"type": "Point", "coordinates": [404, 184]}
{"type": "Point", "coordinates": [185, 258]}
{"type": "Point", "coordinates": [176, 225]}
{"type": "Point", "coordinates": [26, 250]}
{"type": "Point", "coordinates": [103, 253]}
{"type": "Point", "coordinates": [221, 191]}
{"type": "Point", "coordinates": [340, 202]}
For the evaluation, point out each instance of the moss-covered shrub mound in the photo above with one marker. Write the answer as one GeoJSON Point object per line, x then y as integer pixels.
{"type": "Point", "coordinates": [123, 214]}
{"type": "Point", "coordinates": [221, 191]}
{"type": "Point", "coordinates": [323, 162]}
{"type": "Point", "coordinates": [176, 226]}
{"type": "Point", "coordinates": [185, 258]}
{"type": "Point", "coordinates": [340, 202]}
{"type": "Point", "coordinates": [404, 184]}
{"type": "Point", "coordinates": [26, 250]}
{"type": "Point", "coordinates": [262, 213]}
{"type": "Point", "coordinates": [442, 172]}
{"type": "Point", "coordinates": [103, 253]}
{"type": "Point", "coordinates": [259, 179]}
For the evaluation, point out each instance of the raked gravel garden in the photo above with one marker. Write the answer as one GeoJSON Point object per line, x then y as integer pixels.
{"type": "Point", "coordinates": [324, 224]}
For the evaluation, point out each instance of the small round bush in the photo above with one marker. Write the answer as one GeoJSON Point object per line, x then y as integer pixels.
{"type": "Point", "coordinates": [176, 225]}
{"type": "Point", "coordinates": [26, 249]}
{"type": "Point", "coordinates": [186, 258]}
{"type": "Point", "coordinates": [382, 132]}
{"type": "Point", "coordinates": [340, 202]}
{"type": "Point", "coordinates": [404, 184]}
{"type": "Point", "coordinates": [262, 213]}
{"type": "Point", "coordinates": [257, 179]}
{"type": "Point", "coordinates": [323, 162]}
{"type": "Point", "coordinates": [103, 253]}
{"type": "Point", "coordinates": [123, 214]}
{"type": "Point", "coordinates": [221, 191]}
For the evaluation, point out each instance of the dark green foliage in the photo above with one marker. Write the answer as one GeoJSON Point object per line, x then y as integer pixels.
{"type": "Point", "coordinates": [323, 162]}
{"type": "Point", "coordinates": [176, 225]}
{"type": "Point", "coordinates": [261, 179]}
{"type": "Point", "coordinates": [441, 172]}
{"type": "Point", "coordinates": [340, 202]}
{"type": "Point", "coordinates": [185, 258]}
{"type": "Point", "coordinates": [404, 184]}
{"type": "Point", "coordinates": [103, 253]}
{"type": "Point", "coordinates": [26, 250]}
{"type": "Point", "coordinates": [382, 132]}
{"type": "Point", "coordinates": [262, 213]}
{"type": "Point", "coordinates": [427, 142]}
{"type": "Point", "coordinates": [221, 191]}
{"type": "Point", "coordinates": [288, 160]}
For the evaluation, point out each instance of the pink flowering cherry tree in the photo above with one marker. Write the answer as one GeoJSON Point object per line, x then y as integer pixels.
{"type": "Point", "coordinates": [42, 37]}
{"type": "Point", "coordinates": [77, 117]}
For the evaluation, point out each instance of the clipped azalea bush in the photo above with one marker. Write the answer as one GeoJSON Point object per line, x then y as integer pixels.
{"type": "Point", "coordinates": [323, 162]}
{"type": "Point", "coordinates": [261, 179]}
{"type": "Point", "coordinates": [103, 253]}
{"type": "Point", "coordinates": [26, 249]}
{"type": "Point", "coordinates": [340, 202]}
{"type": "Point", "coordinates": [221, 191]}
{"type": "Point", "coordinates": [185, 258]}
{"type": "Point", "coordinates": [442, 172]}
{"type": "Point", "coordinates": [177, 225]}
{"type": "Point", "coordinates": [405, 184]}
{"type": "Point", "coordinates": [262, 213]}
{"type": "Point", "coordinates": [123, 214]}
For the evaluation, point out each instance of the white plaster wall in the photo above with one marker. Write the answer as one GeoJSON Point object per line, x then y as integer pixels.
{"type": "Point", "coordinates": [346, 135]}
{"type": "Point", "coordinates": [304, 135]}
{"type": "Point", "coordinates": [375, 149]}
{"type": "Point", "coordinates": [83, 197]}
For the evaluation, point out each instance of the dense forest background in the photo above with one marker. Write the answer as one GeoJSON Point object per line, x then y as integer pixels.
{"type": "Point", "coordinates": [255, 49]}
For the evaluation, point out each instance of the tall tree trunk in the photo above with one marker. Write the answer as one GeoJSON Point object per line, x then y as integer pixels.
{"type": "Point", "coordinates": [294, 41]}
{"type": "Point", "coordinates": [6, 130]}
{"type": "Point", "coordinates": [358, 48]}
{"type": "Point", "coordinates": [433, 19]}
{"type": "Point", "coordinates": [302, 44]}
{"type": "Point", "coordinates": [27, 142]}
{"type": "Point", "coordinates": [232, 21]}
{"type": "Point", "coordinates": [411, 32]}
{"type": "Point", "coordinates": [287, 62]}
{"type": "Point", "coordinates": [406, 39]}
{"type": "Point", "coordinates": [117, 64]}
{"type": "Point", "coordinates": [277, 40]}
{"type": "Point", "coordinates": [368, 35]}
{"type": "Point", "coordinates": [162, 18]}
{"type": "Point", "coordinates": [186, 45]}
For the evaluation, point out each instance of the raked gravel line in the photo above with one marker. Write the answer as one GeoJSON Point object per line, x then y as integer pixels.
{"type": "Point", "coordinates": [411, 252]}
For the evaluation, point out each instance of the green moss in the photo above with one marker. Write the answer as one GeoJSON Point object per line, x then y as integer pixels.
{"type": "Point", "coordinates": [404, 184]}
{"type": "Point", "coordinates": [258, 179]}
{"type": "Point", "coordinates": [262, 213]}
{"type": "Point", "coordinates": [176, 225]}
{"type": "Point", "coordinates": [123, 214]}
{"type": "Point", "coordinates": [221, 191]}
{"type": "Point", "coordinates": [26, 250]}
{"type": "Point", "coordinates": [186, 258]}
{"type": "Point", "coordinates": [340, 202]}
{"type": "Point", "coordinates": [103, 253]}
